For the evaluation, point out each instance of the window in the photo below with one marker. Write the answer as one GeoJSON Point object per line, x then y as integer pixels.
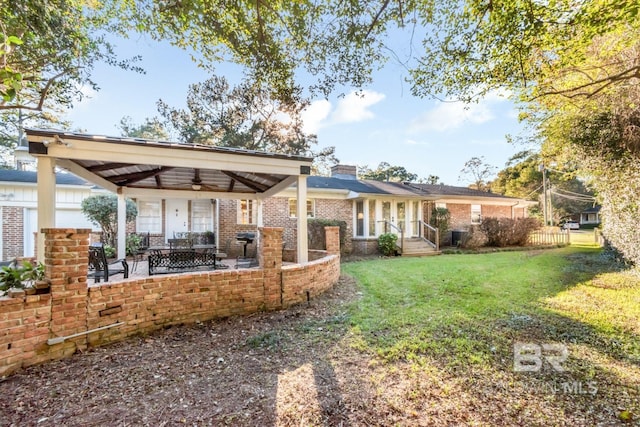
{"type": "Point", "coordinates": [149, 216]}
{"type": "Point", "coordinates": [293, 208]}
{"type": "Point", "coordinates": [372, 217]}
{"type": "Point", "coordinates": [441, 205]}
{"type": "Point", "coordinates": [476, 214]}
{"type": "Point", "coordinates": [247, 212]}
{"type": "Point", "coordinates": [359, 218]}
{"type": "Point", "coordinates": [201, 215]}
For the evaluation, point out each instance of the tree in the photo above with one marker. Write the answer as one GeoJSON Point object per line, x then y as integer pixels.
{"type": "Point", "coordinates": [48, 49]}
{"type": "Point", "coordinates": [102, 210]}
{"type": "Point", "coordinates": [244, 116]}
{"type": "Point", "coordinates": [152, 128]}
{"type": "Point", "coordinates": [433, 180]}
{"type": "Point", "coordinates": [386, 172]}
{"type": "Point", "coordinates": [478, 171]}
{"type": "Point", "coordinates": [522, 178]}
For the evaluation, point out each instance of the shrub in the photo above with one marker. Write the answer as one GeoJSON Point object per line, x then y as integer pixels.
{"type": "Point", "coordinates": [316, 233]}
{"type": "Point", "coordinates": [102, 210]}
{"type": "Point", "coordinates": [475, 238]}
{"type": "Point", "coordinates": [387, 244]}
{"type": "Point", "coordinates": [502, 232]}
{"type": "Point", "coordinates": [441, 219]}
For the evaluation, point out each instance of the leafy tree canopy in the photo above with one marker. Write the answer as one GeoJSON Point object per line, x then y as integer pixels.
{"type": "Point", "coordinates": [386, 172]}
{"type": "Point", "coordinates": [102, 210]}
{"type": "Point", "coordinates": [48, 49]}
{"type": "Point", "coordinates": [244, 116]}
{"type": "Point", "coordinates": [152, 128]}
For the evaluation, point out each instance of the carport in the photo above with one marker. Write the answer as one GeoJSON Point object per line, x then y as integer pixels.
{"type": "Point", "coordinates": [134, 167]}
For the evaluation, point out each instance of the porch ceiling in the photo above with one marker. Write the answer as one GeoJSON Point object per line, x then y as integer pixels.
{"type": "Point", "coordinates": [138, 167]}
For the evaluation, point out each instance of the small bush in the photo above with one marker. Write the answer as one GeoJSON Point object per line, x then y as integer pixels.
{"type": "Point", "coordinates": [474, 239]}
{"type": "Point", "coordinates": [502, 232]}
{"type": "Point", "coordinates": [387, 244]}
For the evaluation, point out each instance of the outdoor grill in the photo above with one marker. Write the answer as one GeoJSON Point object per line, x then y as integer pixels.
{"type": "Point", "coordinates": [245, 238]}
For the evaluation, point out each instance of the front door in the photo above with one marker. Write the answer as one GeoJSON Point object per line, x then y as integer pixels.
{"type": "Point", "coordinates": [177, 217]}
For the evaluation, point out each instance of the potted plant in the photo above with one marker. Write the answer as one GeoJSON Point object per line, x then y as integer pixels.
{"type": "Point", "coordinates": [209, 237]}
{"type": "Point", "coordinates": [26, 278]}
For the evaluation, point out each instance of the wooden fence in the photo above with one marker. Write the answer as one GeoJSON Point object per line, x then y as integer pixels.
{"type": "Point", "coordinates": [549, 237]}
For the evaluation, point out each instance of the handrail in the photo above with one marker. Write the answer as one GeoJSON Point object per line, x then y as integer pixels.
{"type": "Point", "coordinates": [436, 241]}
{"type": "Point", "coordinates": [388, 225]}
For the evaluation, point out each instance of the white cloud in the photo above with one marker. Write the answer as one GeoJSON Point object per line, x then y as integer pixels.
{"type": "Point", "coordinates": [450, 115]}
{"type": "Point", "coordinates": [315, 114]}
{"type": "Point", "coordinates": [354, 107]}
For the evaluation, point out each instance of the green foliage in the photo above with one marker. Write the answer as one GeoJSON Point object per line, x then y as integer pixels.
{"type": "Point", "coordinates": [102, 210]}
{"type": "Point", "coordinates": [245, 116]}
{"type": "Point", "coordinates": [316, 232]}
{"type": "Point", "coordinates": [133, 244]}
{"type": "Point", "coordinates": [20, 276]}
{"type": "Point", "coordinates": [48, 49]}
{"type": "Point", "coordinates": [150, 129]}
{"type": "Point", "coordinates": [387, 244]}
{"type": "Point", "coordinates": [109, 251]}
{"type": "Point", "coordinates": [440, 219]}
{"type": "Point", "coordinates": [386, 172]}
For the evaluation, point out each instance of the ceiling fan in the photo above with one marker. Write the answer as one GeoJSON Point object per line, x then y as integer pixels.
{"type": "Point", "coordinates": [197, 185]}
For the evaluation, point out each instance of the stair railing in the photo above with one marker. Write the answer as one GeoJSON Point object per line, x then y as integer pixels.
{"type": "Point", "coordinates": [429, 234]}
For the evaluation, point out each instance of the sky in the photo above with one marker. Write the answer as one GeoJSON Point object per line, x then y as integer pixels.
{"type": "Point", "coordinates": [383, 124]}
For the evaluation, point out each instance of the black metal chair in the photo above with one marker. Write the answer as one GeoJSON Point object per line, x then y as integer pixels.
{"type": "Point", "coordinates": [249, 257]}
{"type": "Point", "coordinates": [100, 269]}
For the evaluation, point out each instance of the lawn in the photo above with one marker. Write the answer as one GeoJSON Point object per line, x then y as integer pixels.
{"type": "Point", "coordinates": [529, 338]}
{"type": "Point", "coordinates": [453, 321]}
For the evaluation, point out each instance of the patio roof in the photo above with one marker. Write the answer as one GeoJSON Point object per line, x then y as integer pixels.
{"type": "Point", "coordinates": [134, 167]}
{"type": "Point", "coordinates": [137, 166]}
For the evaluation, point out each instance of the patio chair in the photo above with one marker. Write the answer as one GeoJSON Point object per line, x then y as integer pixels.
{"type": "Point", "coordinates": [180, 244]}
{"type": "Point", "coordinates": [100, 268]}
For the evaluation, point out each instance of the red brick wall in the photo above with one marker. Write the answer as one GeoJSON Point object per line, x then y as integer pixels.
{"type": "Point", "coordinates": [144, 304]}
{"type": "Point", "coordinates": [276, 214]}
{"type": "Point", "coordinates": [493, 211]}
{"type": "Point", "coordinates": [12, 232]}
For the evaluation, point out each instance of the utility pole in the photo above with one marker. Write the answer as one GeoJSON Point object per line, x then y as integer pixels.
{"type": "Point", "coordinates": [544, 193]}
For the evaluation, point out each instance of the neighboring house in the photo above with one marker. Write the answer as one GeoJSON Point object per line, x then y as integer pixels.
{"type": "Point", "coordinates": [19, 207]}
{"type": "Point", "coordinates": [590, 216]}
{"type": "Point", "coordinates": [369, 208]}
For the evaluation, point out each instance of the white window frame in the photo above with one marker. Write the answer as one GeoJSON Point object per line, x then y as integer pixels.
{"type": "Point", "coordinates": [441, 205]}
{"type": "Point", "coordinates": [293, 207]}
{"type": "Point", "coordinates": [248, 215]}
{"type": "Point", "coordinates": [154, 227]}
{"type": "Point", "coordinates": [206, 205]}
{"type": "Point", "coordinates": [476, 214]}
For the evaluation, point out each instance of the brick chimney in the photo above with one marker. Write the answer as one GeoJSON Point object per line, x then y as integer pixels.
{"type": "Point", "coordinates": [344, 172]}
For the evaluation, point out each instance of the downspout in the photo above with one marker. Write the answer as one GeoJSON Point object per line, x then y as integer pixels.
{"type": "Point", "coordinates": [58, 340]}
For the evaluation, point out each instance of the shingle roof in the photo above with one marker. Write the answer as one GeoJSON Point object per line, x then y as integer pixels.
{"type": "Point", "coordinates": [10, 175]}
{"type": "Point", "coordinates": [450, 190]}
{"type": "Point", "coordinates": [361, 186]}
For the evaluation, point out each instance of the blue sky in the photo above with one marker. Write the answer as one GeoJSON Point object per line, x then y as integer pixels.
{"type": "Point", "coordinates": [386, 124]}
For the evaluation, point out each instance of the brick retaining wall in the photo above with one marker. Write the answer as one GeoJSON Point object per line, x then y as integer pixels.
{"type": "Point", "coordinates": [143, 305]}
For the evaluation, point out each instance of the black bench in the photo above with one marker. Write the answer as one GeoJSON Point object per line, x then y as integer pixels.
{"type": "Point", "coordinates": [183, 260]}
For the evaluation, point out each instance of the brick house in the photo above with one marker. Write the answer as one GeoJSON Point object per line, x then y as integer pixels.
{"type": "Point", "coordinates": [369, 208]}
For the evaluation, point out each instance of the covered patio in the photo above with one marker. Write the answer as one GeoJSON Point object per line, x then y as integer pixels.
{"type": "Point", "coordinates": [133, 168]}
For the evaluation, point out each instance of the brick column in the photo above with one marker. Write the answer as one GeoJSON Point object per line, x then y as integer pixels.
{"type": "Point", "coordinates": [270, 258]}
{"type": "Point", "coordinates": [66, 259]}
{"type": "Point", "coordinates": [332, 239]}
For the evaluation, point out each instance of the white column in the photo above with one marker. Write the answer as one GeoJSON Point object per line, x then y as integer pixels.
{"type": "Point", "coordinates": [303, 245]}
{"type": "Point", "coordinates": [260, 217]}
{"type": "Point", "coordinates": [122, 225]}
{"type": "Point", "coordinates": [46, 178]}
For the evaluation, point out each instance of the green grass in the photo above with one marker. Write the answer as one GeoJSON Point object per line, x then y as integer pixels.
{"type": "Point", "coordinates": [468, 307]}
{"type": "Point", "coordinates": [456, 318]}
